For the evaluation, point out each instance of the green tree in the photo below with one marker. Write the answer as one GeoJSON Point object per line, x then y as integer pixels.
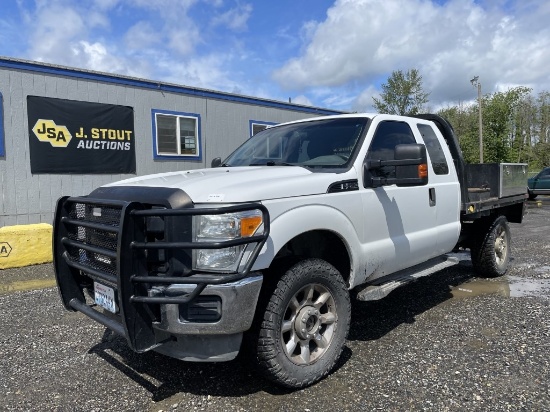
{"type": "Point", "coordinates": [541, 141]}
{"type": "Point", "coordinates": [498, 124]}
{"type": "Point", "coordinates": [464, 120]}
{"type": "Point", "coordinates": [402, 94]}
{"type": "Point", "coordinates": [509, 125]}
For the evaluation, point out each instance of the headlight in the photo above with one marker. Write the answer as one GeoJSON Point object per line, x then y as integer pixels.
{"type": "Point", "coordinates": [216, 228]}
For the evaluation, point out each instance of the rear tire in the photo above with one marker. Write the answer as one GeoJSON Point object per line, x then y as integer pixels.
{"type": "Point", "coordinates": [305, 325]}
{"type": "Point", "coordinates": [532, 196]}
{"type": "Point", "coordinates": [490, 250]}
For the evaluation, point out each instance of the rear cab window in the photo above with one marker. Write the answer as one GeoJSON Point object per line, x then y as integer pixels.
{"type": "Point", "coordinates": [435, 151]}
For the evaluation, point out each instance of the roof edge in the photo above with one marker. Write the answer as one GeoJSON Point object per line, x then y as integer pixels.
{"type": "Point", "coordinates": [53, 69]}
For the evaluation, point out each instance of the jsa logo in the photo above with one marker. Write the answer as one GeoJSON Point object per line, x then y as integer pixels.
{"type": "Point", "coordinates": [48, 131]}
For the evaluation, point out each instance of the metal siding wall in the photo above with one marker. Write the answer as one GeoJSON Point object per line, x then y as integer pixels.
{"type": "Point", "coordinates": [149, 100]}
{"type": "Point", "coordinates": [27, 198]}
{"type": "Point", "coordinates": [226, 128]}
{"type": "Point", "coordinates": [27, 189]}
{"type": "Point", "coordinates": [15, 148]}
{"type": "Point", "coordinates": [4, 83]}
{"type": "Point", "coordinates": [228, 124]}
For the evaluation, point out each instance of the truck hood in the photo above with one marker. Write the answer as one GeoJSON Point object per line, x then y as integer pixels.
{"type": "Point", "coordinates": [240, 184]}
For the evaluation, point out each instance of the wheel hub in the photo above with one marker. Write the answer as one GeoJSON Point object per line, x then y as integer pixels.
{"type": "Point", "coordinates": [500, 247]}
{"type": "Point", "coordinates": [307, 323]}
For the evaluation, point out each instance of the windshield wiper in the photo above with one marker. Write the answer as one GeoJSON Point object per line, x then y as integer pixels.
{"type": "Point", "coordinates": [272, 163]}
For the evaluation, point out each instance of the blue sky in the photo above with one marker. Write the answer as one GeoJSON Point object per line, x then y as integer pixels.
{"type": "Point", "coordinates": [327, 53]}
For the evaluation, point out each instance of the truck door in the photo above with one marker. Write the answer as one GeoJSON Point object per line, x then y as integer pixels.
{"type": "Point", "coordinates": [400, 225]}
{"type": "Point", "coordinates": [444, 188]}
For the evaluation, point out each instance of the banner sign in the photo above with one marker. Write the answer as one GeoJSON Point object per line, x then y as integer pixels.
{"type": "Point", "coordinates": [68, 136]}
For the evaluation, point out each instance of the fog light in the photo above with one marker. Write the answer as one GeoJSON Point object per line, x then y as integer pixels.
{"type": "Point", "coordinates": [203, 309]}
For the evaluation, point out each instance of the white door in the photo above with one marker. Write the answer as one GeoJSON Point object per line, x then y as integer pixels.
{"type": "Point", "coordinates": [400, 224]}
{"type": "Point", "coordinates": [444, 187]}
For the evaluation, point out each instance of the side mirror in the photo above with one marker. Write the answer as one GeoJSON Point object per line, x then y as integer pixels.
{"type": "Point", "coordinates": [411, 167]}
{"type": "Point", "coordinates": [216, 162]}
{"type": "Point", "coordinates": [415, 172]}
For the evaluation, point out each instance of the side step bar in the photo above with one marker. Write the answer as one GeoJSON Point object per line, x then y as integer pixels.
{"type": "Point", "coordinates": [380, 288]}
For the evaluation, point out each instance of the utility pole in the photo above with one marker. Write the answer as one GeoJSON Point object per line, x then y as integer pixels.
{"type": "Point", "coordinates": [475, 82]}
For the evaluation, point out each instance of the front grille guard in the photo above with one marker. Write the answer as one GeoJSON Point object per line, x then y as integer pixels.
{"type": "Point", "coordinates": [133, 283]}
{"type": "Point", "coordinates": [201, 280]}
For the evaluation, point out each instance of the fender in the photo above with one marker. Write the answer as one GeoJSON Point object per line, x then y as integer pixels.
{"type": "Point", "coordinates": [301, 219]}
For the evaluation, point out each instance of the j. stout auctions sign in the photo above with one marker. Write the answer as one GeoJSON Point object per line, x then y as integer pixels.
{"type": "Point", "coordinates": [67, 136]}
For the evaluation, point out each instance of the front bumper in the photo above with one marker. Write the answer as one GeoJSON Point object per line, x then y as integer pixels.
{"type": "Point", "coordinates": [160, 304]}
{"type": "Point", "coordinates": [233, 304]}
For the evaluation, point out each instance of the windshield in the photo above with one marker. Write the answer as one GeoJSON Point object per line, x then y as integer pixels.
{"type": "Point", "coordinates": [322, 143]}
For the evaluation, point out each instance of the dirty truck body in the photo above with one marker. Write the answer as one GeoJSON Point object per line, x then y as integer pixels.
{"type": "Point", "coordinates": [260, 253]}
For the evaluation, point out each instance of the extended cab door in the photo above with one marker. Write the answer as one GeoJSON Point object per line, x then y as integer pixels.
{"type": "Point", "coordinates": [400, 223]}
{"type": "Point", "coordinates": [444, 187]}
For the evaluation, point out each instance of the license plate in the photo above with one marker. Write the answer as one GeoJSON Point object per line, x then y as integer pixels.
{"type": "Point", "coordinates": [105, 297]}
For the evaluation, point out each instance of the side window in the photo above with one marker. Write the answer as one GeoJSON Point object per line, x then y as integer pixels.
{"type": "Point", "coordinates": [545, 174]}
{"type": "Point", "coordinates": [437, 156]}
{"type": "Point", "coordinates": [176, 135]}
{"type": "Point", "coordinates": [256, 126]}
{"type": "Point", "coordinates": [388, 135]}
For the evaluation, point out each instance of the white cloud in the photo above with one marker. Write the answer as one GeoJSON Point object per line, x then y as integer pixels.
{"type": "Point", "coordinates": [235, 19]}
{"type": "Point", "coordinates": [358, 37]}
{"type": "Point", "coordinates": [364, 102]}
{"type": "Point", "coordinates": [184, 40]}
{"type": "Point", "coordinates": [338, 62]}
{"type": "Point", "coordinates": [106, 4]}
{"type": "Point", "coordinates": [175, 28]}
{"type": "Point", "coordinates": [141, 35]}
{"type": "Point", "coordinates": [204, 72]}
{"type": "Point", "coordinates": [303, 100]}
{"type": "Point", "coordinates": [169, 9]}
{"type": "Point", "coordinates": [362, 41]}
{"type": "Point", "coordinates": [54, 29]}
{"type": "Point", "coordinates": [97, 57]}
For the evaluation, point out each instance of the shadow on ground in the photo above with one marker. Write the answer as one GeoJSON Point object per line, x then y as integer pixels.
{"type": "Point", "coordinates": [165, 377]}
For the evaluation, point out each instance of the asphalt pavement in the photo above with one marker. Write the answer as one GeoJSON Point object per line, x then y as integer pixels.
{"type": "Point", "coordinates": [449, 342]}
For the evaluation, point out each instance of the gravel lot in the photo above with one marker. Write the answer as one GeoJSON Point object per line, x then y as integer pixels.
{"type": "Point", "coordinates": [449, 342]}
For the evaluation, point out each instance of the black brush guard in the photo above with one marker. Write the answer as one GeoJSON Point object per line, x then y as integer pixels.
{"type": "Point", "coordinates": [106, 241]}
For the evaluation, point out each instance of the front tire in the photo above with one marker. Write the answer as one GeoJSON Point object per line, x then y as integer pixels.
{"type": "Point", "coordinates": [490, 251]}
{"type": "Point", "coordinates": [305, 325]}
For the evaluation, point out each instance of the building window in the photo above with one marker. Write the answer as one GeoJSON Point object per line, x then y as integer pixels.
{"type": "Point", "coordinates": [256, 126]}
{"type": "Point", "coordinates": [2, 147]}
{"type": "Point", "coordinates": [176, 135]}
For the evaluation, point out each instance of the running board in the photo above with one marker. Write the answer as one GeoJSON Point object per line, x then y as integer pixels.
{"type": "Point", "coordinates": [380, 288]}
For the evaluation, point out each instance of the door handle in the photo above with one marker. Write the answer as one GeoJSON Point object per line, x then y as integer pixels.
{"type": "Point", "coordinates": [431, 194]}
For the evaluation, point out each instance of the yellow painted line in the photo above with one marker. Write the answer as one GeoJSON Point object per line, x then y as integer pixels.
{"type": "Point", "coordinates": [20, 286]}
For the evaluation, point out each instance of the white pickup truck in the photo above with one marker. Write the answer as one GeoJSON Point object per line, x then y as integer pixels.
{"type": "Point", "coordinates": [261, 251]}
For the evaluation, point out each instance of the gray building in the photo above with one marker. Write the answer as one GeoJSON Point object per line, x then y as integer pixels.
{"type": "Point", "coordinates": [168, 128]}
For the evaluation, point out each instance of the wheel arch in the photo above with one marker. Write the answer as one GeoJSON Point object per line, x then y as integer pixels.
{"type": "Point", "coordinates": [312, 232]}
{"type": "Point", "coordinates": [321, 244]}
